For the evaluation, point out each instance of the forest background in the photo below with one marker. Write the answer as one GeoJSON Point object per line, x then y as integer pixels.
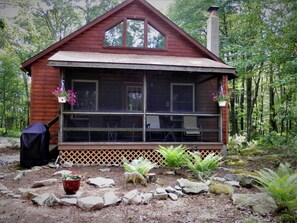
{"type": "Point", "coordinates": [257, 37]}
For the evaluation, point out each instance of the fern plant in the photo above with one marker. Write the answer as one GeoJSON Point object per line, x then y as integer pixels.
{"type": "Point", "coordinates": [174, 157]}
{"type": "Point", "coordinates": [140, 165]}
{"type": "Point", "coordinates": [281, 185]}
{"type": "Point", "coordinates": [203, 168]}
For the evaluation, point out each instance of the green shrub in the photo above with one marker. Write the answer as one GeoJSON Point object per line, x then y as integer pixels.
{"type": "Point", "coordinates": [140, 165]}
{"type": "Point", "coordinates": [203, 168]}
{"type": "Point", "coordinates": [281, 185]}
{"type": "Point", "coordinates": [174, 157]}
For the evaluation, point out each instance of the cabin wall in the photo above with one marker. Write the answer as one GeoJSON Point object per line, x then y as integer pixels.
{"type": "Point", "coordinates": [43, 105]}
{"type": "Point", "coordinates": [92, 40]}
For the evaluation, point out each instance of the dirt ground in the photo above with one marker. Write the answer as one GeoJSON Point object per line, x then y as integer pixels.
{"type": "Point", "coordinates": [205, 207]}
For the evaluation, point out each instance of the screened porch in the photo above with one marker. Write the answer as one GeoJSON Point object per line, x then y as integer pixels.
{"type": "Point", "coordinates": [140, 106]}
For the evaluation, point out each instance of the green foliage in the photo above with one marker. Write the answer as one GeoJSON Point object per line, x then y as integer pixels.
{"type": "Point", "coordinates": [140, 165]}
{"type": "Point", "coordinates": [174, 157]}
{"type": "Point", "coordinates": [203, 168]}
{"type": "Point", "coordinates": [281, 185]}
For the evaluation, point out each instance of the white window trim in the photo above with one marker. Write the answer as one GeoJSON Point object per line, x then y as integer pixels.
{"type": "Point", "coordinates": [181, 84]}
{"type": "Point", "coordinates": [87, 81]}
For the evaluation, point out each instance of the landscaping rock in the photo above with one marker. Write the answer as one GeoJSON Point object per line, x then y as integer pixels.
{"type": "Point", "coordinates": [260, 203]}
{"type": "Point", "coordinates": [189, 187]}
{"type": "Point", "coordinates": [233, 183]}
{"type": "Point", "coordinates": [42, 183]}
{"type": "Point", "coordinates": [127, 199]}
{"type": "Point", "coordinates": [243, 179]}
{"type": "Point", "coordinates": [219, 179]}
{"type": "Point", "coordinates": [46, 200]}
{"type": "Point", "coordinates": [220, 188]}
{"type": "Point", "coordinates": [76, 195]}
{"type": "Point", "coordinates": [146, 197]}
{"type": "Point", "coordinates": [161, 191]}
{"type": "Point", "coordinates": [2, 187]}
{"type": "Point", "coordinates": [172, 196]}
{"type": "Point", "coordinates": [68, 201]}
{"type": "Point", "coordinates": [104, 170]}
{"type": "Point", "coordinates": [90, 203]}
{"type": "Point", "coordinates": [111, 199]}
{"type": "Point", "coordinates": [27, 193]}
{"type": "Point", "coordinates": [61, 172]}
{"type": "Point", "coordinates": [160, 196]}
{"type": "Point", "coordinates": [19, 175]}
{"type": "Point", "coordinates": [101, 182]}
{"type": "Point", "coordinates": [67, 165]}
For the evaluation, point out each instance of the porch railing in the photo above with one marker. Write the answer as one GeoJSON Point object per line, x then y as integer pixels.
{"type": "Point", "coordinates": [139, 127]}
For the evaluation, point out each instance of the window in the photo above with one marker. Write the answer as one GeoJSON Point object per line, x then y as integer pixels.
{"type": "Point", "coordinates": [114, 36]}
{"type": "Point", "coordinates": [86, 95]}
{"type": "Point", "coordinates": [155, 39]}
{"type": "Point", "coordinates": [134, 98]}
{"type": "Point", "coordinates": [138, 34]}
{"type": "Point", "coordinates": [182, 97]}
{"type": "Point", "coordinates": [135, 33]}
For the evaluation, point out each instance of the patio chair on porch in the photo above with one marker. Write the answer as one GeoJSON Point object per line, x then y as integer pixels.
{"type": "Point", "coordinates": [152, 122]}
{"type": "Point", "coordinates": [191, 127]}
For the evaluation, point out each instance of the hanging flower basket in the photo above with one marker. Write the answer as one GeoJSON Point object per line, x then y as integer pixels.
{"type": "Point", "coordinates": [65, 96]}
{"type": "Point", "coordinates": [221, 97]}
{"type": "Point", "coordinates": [62, 99]}
{"type": "Point", "coordinates": [222, 103]}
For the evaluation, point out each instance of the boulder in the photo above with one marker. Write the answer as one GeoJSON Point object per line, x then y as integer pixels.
{"type": "Point", "coordinates": [260, 203]}
{"type": "Point", "coordinates": [101, 182]}
{"type": "Point", "coordinates": [90, 203]}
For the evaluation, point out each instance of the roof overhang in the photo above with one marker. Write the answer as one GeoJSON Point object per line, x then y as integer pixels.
{"type": "Point", "coordinates": [138, 62]}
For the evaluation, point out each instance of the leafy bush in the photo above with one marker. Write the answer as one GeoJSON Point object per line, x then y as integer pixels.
{"type": "Point", "coordinates": [203, 168]}
{"type": "Point", "coordinates": [140, 165]}
{"type": "Point", "coordinates": [281, 185]}
{"type": "Point", "coordinates": [174, 157]}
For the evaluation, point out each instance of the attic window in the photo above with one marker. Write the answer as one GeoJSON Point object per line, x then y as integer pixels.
{"type": "Point", "coordinates": [114, 36]}
{"type": "Point", "coordinates": [136, 34]}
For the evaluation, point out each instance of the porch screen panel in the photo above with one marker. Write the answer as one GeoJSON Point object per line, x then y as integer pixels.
{"type": "Point", "coordinates": [86, 95]}
{"type": "Point", "coordinates": [182, 98]}
{"type": "Point", "coordinates": [134, 98]}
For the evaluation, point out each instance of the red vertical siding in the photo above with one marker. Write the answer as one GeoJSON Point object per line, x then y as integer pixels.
{"type": "Point", "coordinates": [44, 106]}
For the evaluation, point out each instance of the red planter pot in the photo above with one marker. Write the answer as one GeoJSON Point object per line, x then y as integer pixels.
{"type": "Point", "coordinates": [71, 186]}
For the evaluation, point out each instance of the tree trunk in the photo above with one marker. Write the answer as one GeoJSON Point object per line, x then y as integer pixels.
{"type": "Point", "coordinates": [272, 122]}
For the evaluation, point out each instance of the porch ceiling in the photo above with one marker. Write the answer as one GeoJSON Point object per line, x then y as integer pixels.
{"type": "Point", "coordinates": [138, 62]}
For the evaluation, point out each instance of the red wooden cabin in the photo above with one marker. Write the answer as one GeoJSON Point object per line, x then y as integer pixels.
{"type": "Point", "coordinates": [140, 81]}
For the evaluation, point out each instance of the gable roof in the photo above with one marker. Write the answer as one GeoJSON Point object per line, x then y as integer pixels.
{"type": "Point", "coordinates": [26, 64]}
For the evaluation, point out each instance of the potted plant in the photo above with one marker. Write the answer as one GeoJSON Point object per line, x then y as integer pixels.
{"type": "Point", "coordinates": [65, 96]}
{"type": "Point", "coordinates": [71, 182]}
{"type": "Point", "coordinates": [221, 98]}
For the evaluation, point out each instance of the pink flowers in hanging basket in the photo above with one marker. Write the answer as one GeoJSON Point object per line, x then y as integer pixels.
{"type": "Point", "coordinates": [69, 95]}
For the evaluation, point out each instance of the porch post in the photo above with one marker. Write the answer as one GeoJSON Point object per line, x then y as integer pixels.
{"type": "Point", "coordinates": [144, 107]}
{"type": "Point", "coordinates": [61, 118]}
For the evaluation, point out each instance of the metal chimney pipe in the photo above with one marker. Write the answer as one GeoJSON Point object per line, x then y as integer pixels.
{"type": "Point", "coordinates": [213, 39]}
